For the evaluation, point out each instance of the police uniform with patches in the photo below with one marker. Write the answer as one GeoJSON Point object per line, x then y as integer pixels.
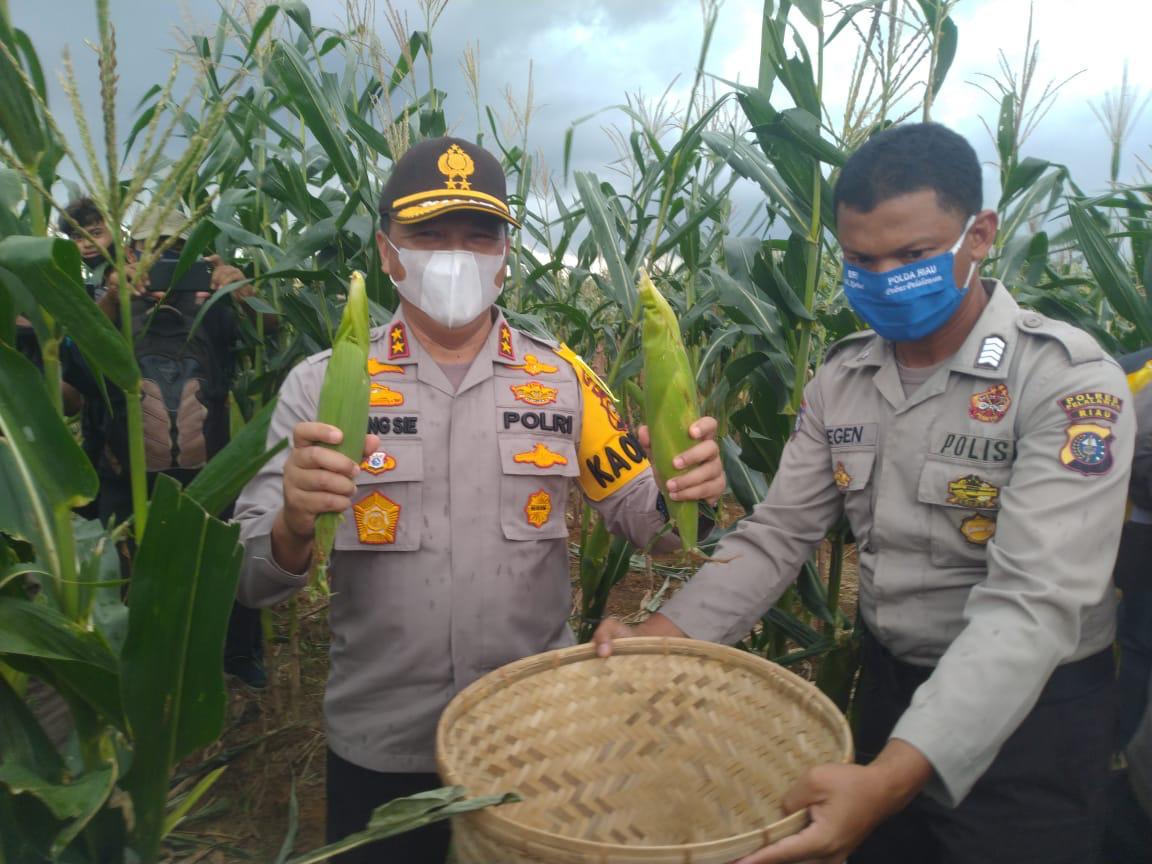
{"type": "Point", "coordinates": [454, 557]}
{"type": "Point", "coordinates": [985, 505]}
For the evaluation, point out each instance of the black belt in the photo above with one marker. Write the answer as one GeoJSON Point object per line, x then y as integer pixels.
{"type": "Point", "coordinates": [1067, 681]}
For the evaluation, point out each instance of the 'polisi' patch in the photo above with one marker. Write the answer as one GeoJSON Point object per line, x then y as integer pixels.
{"type": "Point", "coordinates": [377, 517]}
{"type": "Point", "coordinates": [991, 353]}
{"type": "Point", "coordinates": [976, 448]}
{"type": "Point", "coordinates": [538, 508]}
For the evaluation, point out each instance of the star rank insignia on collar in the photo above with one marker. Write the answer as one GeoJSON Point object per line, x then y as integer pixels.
{"type": "Point", "coordinates": [375, 367]}
{"type": "Point", "coordinates": [533, 366]}
{"type": "Point", "coordinates": [377, 517]}
{"type": "Point", "coordinates": [506, 342]}
{"type": "Point", "coordinates": [540, 456]}
{"type": "Point", "coordinates": [534, 393]}
{"type": "Point", "coordinates": [397, 342]}
{"type": "Point", "coordinates": [991, 353]}
{"type": "Point", "coordinates": [538, 508]}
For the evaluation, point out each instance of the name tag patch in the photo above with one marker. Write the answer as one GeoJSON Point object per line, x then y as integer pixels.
{"type": "Point", "coordinates": [975, 448]}
{"type": "Point", "coordinates": [856, 435]}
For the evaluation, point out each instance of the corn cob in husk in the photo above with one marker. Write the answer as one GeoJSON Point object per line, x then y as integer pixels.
{"type": "Point", "coordinates": [344, 400]}
{"type": "Point", "coordinates": [669, 401]}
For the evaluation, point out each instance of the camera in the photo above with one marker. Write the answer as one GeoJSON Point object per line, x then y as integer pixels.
{"type": "Point", "coordinates": [198, 277]}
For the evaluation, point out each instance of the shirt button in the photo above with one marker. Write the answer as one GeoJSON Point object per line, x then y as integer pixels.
{"type": "Point", "coordinates": [1032, 321]}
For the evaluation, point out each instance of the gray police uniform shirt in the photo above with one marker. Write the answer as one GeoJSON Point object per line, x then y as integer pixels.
{"type": "Point", "coordinates": [454, 557]}
{"type": "Point", "coordinates": [986, 504]}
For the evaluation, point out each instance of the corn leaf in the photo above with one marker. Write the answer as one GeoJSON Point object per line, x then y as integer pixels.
{"type": "Point", "coordinates": [173, 659]}
{"type": "Point", "coordinates": [224, 476]}
{"type": "Point", "coordinates": [49, 269]}
{"type": "Point", "coordinates": [1111, 272]}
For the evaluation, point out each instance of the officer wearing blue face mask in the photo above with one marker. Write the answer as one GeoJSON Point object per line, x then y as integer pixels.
{"type": "Point", "coordinates": [981, 454]}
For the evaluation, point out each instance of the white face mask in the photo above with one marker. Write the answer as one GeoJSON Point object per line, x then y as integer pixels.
{"type": "Point", "coordinates": [450, 287]}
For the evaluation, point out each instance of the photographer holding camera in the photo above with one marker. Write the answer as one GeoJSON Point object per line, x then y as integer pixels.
{"type": "Point", "coordinates": [187, 370]}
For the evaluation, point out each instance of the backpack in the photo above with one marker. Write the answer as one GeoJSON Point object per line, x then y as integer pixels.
{"type": "Point", "coordinates": [183, 387]}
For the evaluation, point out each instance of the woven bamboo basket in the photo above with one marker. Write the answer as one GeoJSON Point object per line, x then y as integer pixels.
{"type": "Point", "coordinates": [672, 751]}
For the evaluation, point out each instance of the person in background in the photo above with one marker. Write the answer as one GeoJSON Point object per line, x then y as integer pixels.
{"type": "Point", "coordinates": [981, 454]}
{"type": "Point", "coordinates": [187, 371]}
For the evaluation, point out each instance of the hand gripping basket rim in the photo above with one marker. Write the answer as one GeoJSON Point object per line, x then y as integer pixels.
{"type": "Point", "coordinates": [497, 822]}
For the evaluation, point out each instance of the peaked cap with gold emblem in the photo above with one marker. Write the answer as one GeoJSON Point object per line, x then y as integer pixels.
{"type": "Point", "coordinates": [441, 175]}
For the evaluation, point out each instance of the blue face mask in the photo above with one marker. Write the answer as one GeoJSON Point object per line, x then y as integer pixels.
{"type": "Point", "coordinates": [907, 303]}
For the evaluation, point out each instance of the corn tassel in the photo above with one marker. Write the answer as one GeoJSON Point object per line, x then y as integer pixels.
{"type": "Point", "coordinates": [344, 402]}
{"type": "Point", "coordinates": [669, 401]}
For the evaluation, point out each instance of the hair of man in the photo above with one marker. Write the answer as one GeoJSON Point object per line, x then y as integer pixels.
{"type": "Point", "coordinates": [908, 158]}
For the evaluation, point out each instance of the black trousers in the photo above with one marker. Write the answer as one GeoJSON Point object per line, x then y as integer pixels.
{"type": "Point", "coordinates": [1042, 800]}
{"type": "Point", "coordinates": [354, 792]}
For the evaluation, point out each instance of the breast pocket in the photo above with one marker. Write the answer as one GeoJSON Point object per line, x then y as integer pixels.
{"type": "Point", "coordinates": [963, 501]}
{"type": "Point", "coordinates": [852, 471]}
{"type": "Point", "coordinates": [386, 514]}
{"type": "Point", "coordinates": [535, 472]}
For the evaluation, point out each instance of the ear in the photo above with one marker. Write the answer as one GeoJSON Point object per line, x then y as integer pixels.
{"type": "Point", "coordinates": [982, 234]}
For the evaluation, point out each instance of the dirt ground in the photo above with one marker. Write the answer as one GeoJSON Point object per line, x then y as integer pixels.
{"type": "Point", "coordinates": [274, 740]}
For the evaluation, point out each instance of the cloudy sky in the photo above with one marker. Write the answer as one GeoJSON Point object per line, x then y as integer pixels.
{"type": "Point", "coordinates": [591, 55]}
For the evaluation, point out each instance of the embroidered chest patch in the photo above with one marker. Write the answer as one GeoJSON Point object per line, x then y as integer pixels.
{"type": "Point", "coordinates": [843, 478]}
{"type": "Point", "coordinates": [533, 366]}
{"type": "Point", "coordinates": [975, 492]}
{"type": "Point", "coordinates": [538, 508]}
{"type": "Point", "coordinates": [377, 517]}
{"type": "Point", "coordinates": [379, 462]}
{"type": "Point", "coordinates": [375, 367]}
{"type": "Point", "coordinates": [540, 456]}
{"type": "Point", "coordinates": [978, 529]}
{"type": "Point", "coordinates": [383, 396]}
{"type": "Point", "coordinates": [534, 393]}
{"type": "Point", "coordinates": [990, 406]}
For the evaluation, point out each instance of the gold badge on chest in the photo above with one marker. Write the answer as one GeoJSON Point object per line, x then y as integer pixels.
{"type": "Point", "coordinates": [377, 518]}
{"type": "Point", "coordinates": [538, 508]}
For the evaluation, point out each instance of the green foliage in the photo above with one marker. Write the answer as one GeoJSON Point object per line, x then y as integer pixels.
{"type": "Point", "coordinates": [286, 137]}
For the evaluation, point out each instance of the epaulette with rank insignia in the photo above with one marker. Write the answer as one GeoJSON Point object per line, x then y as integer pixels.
{"type": "Point", "coordinates": [1080, 346]}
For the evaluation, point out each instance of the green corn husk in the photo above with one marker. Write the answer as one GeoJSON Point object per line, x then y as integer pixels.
{"type": "Point", "coordinates": [670, 405]}
{"type": "Point", "coordinates": [344, 402]}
